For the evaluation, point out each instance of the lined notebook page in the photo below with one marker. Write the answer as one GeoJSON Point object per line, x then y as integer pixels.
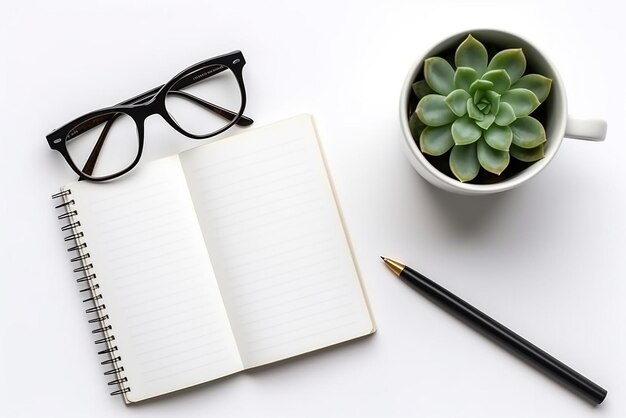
{"type": "Point", "coordinates": [275, 237]}
{"type": "Point", "coordinates": [156, 280]}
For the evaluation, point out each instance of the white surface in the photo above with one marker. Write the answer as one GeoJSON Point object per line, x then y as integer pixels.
{"type": "Point", "coordinates": [545, 259]}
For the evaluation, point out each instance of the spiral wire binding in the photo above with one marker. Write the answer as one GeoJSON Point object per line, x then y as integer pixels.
{"type": "Point", "coordinates": [87, 277]}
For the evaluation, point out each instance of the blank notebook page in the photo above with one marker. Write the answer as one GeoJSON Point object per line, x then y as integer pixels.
{"type": "Point", "coordinates": [156, 280]}
{"type": "Point", "coordinates": [276, 241]}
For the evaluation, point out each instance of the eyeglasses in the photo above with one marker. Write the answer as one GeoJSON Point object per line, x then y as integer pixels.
{"type": "Point", "coordinates": [200, 102]}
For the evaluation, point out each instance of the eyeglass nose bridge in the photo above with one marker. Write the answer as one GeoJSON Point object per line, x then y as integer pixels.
{"type": "Point", "coordinates": [149, 104]}
{"type": "Point", "coordinates": [142, 111]}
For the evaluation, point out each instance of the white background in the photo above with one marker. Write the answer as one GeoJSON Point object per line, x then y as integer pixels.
{"type": "Point", "coordinates": [546, 259]}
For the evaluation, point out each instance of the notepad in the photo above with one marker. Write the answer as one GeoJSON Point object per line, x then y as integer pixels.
{"type": "Point", "coordinates": [228, 256]}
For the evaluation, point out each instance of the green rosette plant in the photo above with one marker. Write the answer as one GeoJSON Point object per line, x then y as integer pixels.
{"type": "Point", "coordinates": [480, 110]}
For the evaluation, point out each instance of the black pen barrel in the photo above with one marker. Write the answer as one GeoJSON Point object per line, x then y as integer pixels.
{"type": "Point", "coordinates": [492, 327]}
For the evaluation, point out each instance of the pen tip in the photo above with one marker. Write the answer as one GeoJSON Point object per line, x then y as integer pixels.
{"type": "Point", "coordinates": [382, 258]}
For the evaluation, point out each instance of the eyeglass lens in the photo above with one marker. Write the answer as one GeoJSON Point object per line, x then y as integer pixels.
{"type": "Point", "coordinates": [199, 108]}
{"type": "Point", "coordinates": [97, 157]}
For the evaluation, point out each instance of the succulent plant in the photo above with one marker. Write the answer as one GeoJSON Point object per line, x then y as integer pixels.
{"type": "Point", "coordinates": [480, 110]}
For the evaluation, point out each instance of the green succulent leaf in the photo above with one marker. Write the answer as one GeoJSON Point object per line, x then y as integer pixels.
{"type": "Point", "coordinates": [439, 75]}
{"type": "Point", "coordinates": [473, 111]}
{"type": "Point", "coordinates": [465, 131]}
{"type": "Point", "coordinates": [498, 137]}
{"type": "Point", "coordinates": [486, 122]}
{"type": "Point", "coordinates": [480, 85]}
{"type": "Point", "coordinates": [471, 53]}
{"type": "Point", "coordinates": [421, 89]}
{"type": "Point", "coordinates": [523, 101]}
{"type": "Point", "coordinates": [528, 132]}
{"type": "Point", "coordinates": [436, 140]}
{"type": "Point", "coordinates": [505, 115]}
{"type": "Point", "coordinates": [492, 160]}
{"type": "Point", "coordinates": [494, 101]}
{"type": "Point", "coordinates": [464, 163]}
{"type": "Point", "coordinates": [500, 79]}
{"type": "Point", "coordinates": [416, 126]}
{"type": "Point", "coordinates": [529, 155]}
{"type": "Point", "coordinates": [478, 96]}
{"type": "Point", "coordinates": [464, 77]}
{"type": "Point", "coordinates": [457, 102]}
{"type": "Point", "coordinates": [433, 110]}
{"type": "Point", "coordinates": [512, 61]}
{"type": "Point", "coordinates": [536, 83]}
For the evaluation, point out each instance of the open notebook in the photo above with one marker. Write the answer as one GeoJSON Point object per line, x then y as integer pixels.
{"type": "Point", "coordinates": [228, 256]}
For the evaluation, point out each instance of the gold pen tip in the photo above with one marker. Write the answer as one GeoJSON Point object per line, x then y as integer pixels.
{"type": "Point", "coordinates": [393, 265]}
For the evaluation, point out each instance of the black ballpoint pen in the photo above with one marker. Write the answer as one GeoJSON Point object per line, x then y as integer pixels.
{"type": "Point", "coordinates": [521, 346]}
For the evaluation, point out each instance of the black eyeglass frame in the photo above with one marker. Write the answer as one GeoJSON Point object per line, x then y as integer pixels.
{"type": "Point", "coordinates": [153, 102]}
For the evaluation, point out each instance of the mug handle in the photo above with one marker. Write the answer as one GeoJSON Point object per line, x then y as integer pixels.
{"type": "Point", "coordinates": [587, 129]}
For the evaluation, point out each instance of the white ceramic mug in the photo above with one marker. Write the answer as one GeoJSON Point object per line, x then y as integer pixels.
{"type": "Point", "coordinates": [558, 125]}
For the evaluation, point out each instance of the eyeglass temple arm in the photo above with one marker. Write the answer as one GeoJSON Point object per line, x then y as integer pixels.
{"type": "Point", "coordinates": [95, 152]}
{"type": "Point", "coordinates": [225, 113]}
